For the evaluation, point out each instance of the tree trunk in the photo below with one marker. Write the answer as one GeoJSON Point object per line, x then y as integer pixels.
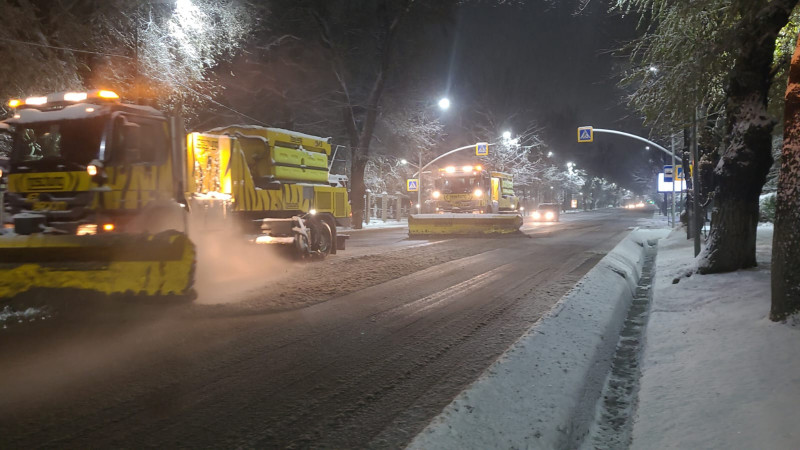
{"type": "Point", "coordinates": [357, 190]}
{"type": "Point", "coordinates": [745, 162]}
{"type": "Point", "coordinates": [786, 238]}
{"type": "Point", "coordinates": [740, 175]}
{"type": "Point", "coordinates": [361, 137]}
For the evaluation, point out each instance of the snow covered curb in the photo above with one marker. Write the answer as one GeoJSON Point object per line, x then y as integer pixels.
{"type": "Point", "coordinates": [542, 392]}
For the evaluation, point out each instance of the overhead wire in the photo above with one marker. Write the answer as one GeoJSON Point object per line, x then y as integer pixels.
{"type": "Point", "coordinates": [210, 99]}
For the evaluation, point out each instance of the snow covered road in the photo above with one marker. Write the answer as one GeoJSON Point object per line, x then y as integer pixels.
{"type": "Point", "coordinates": [361, 350]}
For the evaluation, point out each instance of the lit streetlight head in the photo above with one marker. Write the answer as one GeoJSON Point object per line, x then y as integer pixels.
{"type": "Point", "coordinates": [653, 69]}
{"type": "Point", "coordinates": [403, 161]}
{"type": "Point", "coordinates": [506, 135]}
{"type": "Point", "coordinates": [549, 154]}
{"type": "Point", "coordinates": [444, 103]}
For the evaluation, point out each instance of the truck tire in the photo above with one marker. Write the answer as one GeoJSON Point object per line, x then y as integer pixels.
{"type": "Point", "coordinates": [320, 237]}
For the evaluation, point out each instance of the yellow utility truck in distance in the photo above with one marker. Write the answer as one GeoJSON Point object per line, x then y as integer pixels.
{"type": "Point", "coordinates": [471, 189]}
{"type": "Point", "coordinates": [469, 200]}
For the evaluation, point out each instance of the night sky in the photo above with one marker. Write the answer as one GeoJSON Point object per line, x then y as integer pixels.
{"type": "Point", "coordinates": [557, 68]}
{"type": "Point", "coordinates": [538, 65]}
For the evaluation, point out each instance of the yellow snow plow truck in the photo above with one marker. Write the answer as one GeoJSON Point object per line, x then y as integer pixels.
{"type": "Point", "coordinates": [100, 194]}
{"type": "Point", "coordinates": [469, 200]}
{"type": "Point", "coordinates": [273, 184]}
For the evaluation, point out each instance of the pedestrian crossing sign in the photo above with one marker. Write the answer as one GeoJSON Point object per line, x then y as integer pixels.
{"type": "Point", "coordinates": [482, 149]}
{"type": "Point", "coordinates": [412, 185]}
{"type": "Point", "coordinates": [585, 134]}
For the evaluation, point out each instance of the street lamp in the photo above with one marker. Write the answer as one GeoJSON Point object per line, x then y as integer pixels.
{"type": "Point", "coordinates": [444, 104]}
{"type": "Point", "coordinates": [506, 135]}
{"type": "Point", "coordinates": [549, 154]}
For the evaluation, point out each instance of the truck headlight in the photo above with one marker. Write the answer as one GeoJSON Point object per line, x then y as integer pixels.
{"type": "Point", "coordinates": [478, 193]}
{"type": "Point", "coordinates": [536, 215]}
{"type": "Point", "coordinates": [549, 215]}
{"type": "Point", "coordinates": [436, 194]}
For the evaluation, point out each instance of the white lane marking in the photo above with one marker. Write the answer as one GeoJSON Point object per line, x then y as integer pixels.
{"type": "Point", "coordinates": [439, 298]}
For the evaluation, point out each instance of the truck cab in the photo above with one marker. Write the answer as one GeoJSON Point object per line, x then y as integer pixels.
{"type": "Point", "coordinates": [83, 163]}
{"type": "Point", "coordinates": [471, 189]}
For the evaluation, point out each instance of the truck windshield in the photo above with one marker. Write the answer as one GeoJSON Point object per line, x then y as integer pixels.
{"type": "Point", "coordinates": [67, 141]}
{"type": "Point", "coordinates": [458, 185]}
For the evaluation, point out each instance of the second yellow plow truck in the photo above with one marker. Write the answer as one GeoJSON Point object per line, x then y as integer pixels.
{"type": "Point", "coordinates": [100, 195]}
{"type": "Point", "coordinates": [469, 200]}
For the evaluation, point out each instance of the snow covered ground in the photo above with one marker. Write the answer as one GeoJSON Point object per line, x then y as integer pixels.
{"type": "Point", "coordinates": [716, 373]}
{"type": "Point", "coordinates": [542, 392]}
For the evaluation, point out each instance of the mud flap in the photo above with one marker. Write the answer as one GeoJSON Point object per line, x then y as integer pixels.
{"type": "Point", "coordinates": [341, 241]}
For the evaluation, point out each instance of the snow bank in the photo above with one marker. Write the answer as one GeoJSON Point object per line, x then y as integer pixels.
{"type": "Point", "coordinates": [716, 373]}
{"type": "Point", "coordinates": [542, 392]}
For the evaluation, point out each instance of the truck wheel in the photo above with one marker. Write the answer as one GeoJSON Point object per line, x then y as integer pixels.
{"type": "Point", "coordinates": [321, 239]}
{"type": "Point", "coordinates": [302, 247]}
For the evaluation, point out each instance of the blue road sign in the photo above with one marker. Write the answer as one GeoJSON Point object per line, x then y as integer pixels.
{"type": "Point", "coordinates": [412, 185]}
{"type": "Point", "coordinates": [585, 134]}
{"type": "Point", "coordinates": [481, 149]}
{"type": "Point", "coordinates": [668, 174]}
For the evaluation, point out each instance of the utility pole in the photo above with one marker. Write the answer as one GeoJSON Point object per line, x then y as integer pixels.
{"type": "Point", "coordinates": [674, 176]}
{"type": "Point", "coordinates": [419, 187]}
{"type": "Point", "coordinates": [698, 222]}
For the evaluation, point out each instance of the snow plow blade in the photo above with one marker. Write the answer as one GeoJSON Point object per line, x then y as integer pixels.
{"type": "Point", "coordinates": [135, 264]}
{"type": "Point", "coordinates": [463, 224]}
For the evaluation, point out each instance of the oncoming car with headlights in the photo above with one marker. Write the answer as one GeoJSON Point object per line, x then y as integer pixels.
{"type": "Point", "coordinates": [547, 212]}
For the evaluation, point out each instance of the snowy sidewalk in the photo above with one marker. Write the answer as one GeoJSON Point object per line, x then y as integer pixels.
{"type": "Point", "coordinates": [716, 373]}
